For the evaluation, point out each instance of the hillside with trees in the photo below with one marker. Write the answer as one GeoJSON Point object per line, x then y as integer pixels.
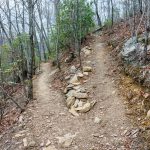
{"type": "Point", "coordinates": [74, 74]}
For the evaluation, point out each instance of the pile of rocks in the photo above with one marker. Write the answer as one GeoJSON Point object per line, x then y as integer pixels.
{"type": "Point", "coordinates": [76, 94]}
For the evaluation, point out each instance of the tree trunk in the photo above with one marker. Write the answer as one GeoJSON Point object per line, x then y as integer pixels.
{"type": "Point", "coordinates": [112, 13]}
{"type": "Point", "coordinates": [97, 14]}
{"type": "Point", "coordinates": [31, 46]}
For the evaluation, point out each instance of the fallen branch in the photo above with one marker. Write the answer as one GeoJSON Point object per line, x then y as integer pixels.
{"type": "Point", "coordinates": [10, 98]}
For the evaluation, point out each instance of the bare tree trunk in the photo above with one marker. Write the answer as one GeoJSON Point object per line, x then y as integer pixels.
{"type": "Point", "coordinates": [112, 13]}
{"type": "Point", "coordinates": [108, 9]}
{"type": "Point", "coordinates": [32, 57]}
{"type": "Point", "coordinates": [147, 28]}
{"type": "Point", "coordinates": [57, 27]}
{"type": "Point", "coordinates": [97, 14]}
{"type": "Point", "coordinates": [140, 6]}
{"type": "Point", "coordinates": [42, 28]}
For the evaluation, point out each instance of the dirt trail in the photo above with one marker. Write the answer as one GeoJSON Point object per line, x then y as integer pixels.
{"type": "Point", "coordinates": [48, 118]}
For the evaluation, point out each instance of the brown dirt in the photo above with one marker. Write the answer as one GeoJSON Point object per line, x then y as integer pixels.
{"type": "Point", "coordinates": [48, 118]}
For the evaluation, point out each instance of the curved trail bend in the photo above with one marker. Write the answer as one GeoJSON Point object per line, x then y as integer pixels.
{"type": "Point", "coordinates": [48, 118]}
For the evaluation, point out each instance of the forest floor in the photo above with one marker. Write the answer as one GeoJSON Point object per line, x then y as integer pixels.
{"type": "Point", "coordinates": [47, 120]}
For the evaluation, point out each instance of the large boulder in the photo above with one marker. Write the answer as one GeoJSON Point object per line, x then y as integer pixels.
{"type": "Point", "coordinates": [133, 57]}
{"type": "Point", "coordinates": [132, 52]}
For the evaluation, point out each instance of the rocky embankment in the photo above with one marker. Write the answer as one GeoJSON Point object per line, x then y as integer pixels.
{"type": "Point", "coordinates": [135, 62]}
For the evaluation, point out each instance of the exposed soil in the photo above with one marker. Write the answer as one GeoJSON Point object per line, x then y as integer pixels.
{"type": "Point", "coordinates": [47, 117]}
